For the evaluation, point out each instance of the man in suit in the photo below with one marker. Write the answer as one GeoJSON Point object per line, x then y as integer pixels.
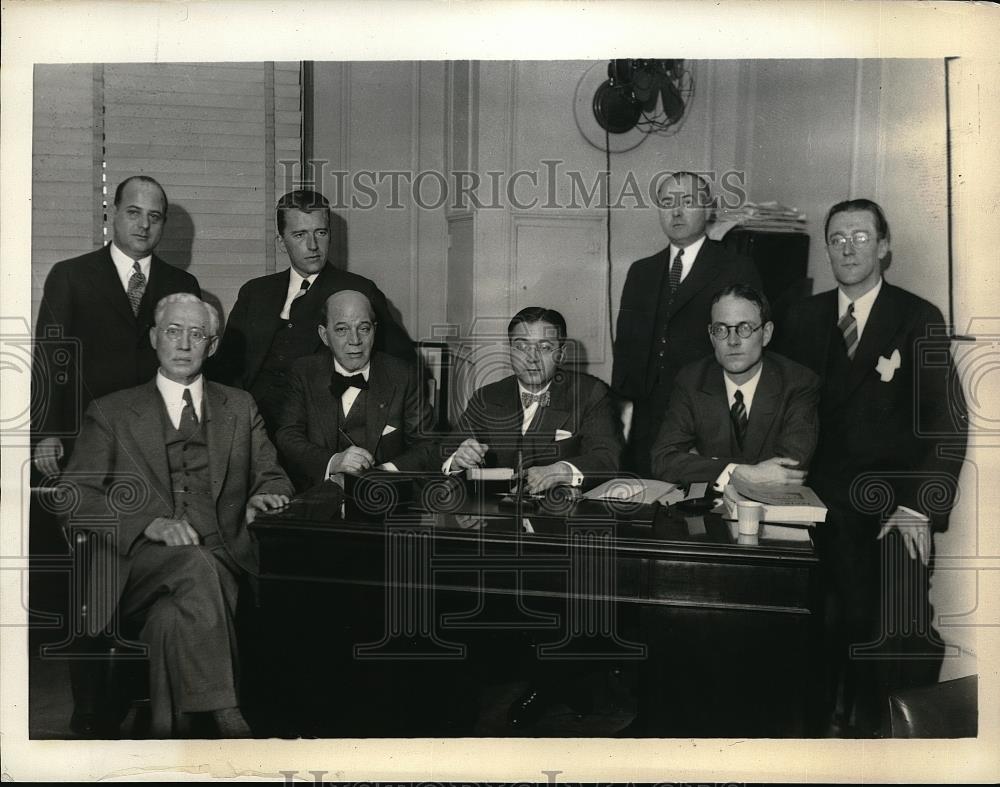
{"type": "Point", "coordinates": [891, 444]}
{"type": "Point", "coordinates": [744, 412]}
{"type": "Point", "coordinates": [563, 423]}
{"type": "Point", "coordinates": [274, 320]}
{"type": "Point", "coordinates": [199, 466]}
{"type": "Point", "coordinates": [566, 429]}
{"type": "Point", "coordinates": [664, 309]}
{"type": "Point", "coordinates": [102, 303]}
{"type": "Point", "coordinates": [350, 409]}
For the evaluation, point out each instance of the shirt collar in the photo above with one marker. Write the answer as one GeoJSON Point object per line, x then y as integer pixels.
{"type": "Point", "coordinates": [522, 389]}
{"type": "Point", "coordinates": [124, 263]}
{"type": "Point", "coordinates": [295, 279]}
{"type": "Point", "coordinates": [861, 304]}
{"type": "Point", "coordinates": [690, 251]}
{"type": "Point", "coordinates": [174, 392]}
{"type": "Point", "coordinates": [364, 371]}
{"type": "Point", "coordinates": [749, 388]}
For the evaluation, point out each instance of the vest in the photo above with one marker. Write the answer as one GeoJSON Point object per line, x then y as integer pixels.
{"type": "Point", "coordinates": [353, 423]}
{"type": "Point", "coordinates": [190, 479]}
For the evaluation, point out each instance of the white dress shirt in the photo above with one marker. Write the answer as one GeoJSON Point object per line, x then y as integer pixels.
{"type": "Point", "coordinates": [173, 396]}
{"type": "Point", "coordinates": [749, 388]}
{"type": "Point", "coordinates": [690, 252]}
{"type": "Point", "coordinates": [294, 286]}
{"type": "Point", "coordinates": [124, 265]}
{"type": "Point", "coordinates": [862, 306]}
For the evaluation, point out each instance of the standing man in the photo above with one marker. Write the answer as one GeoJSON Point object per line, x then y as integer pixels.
{"type": "Point", "coordinates": [746, 411]}
{"type": "Point", "coordinates": [892, 440]}
{"type": "Point", "coordinates": [350, 409]}
{"type": "Point", "coordinates": [665, 307]}
{"type": "Point", "coordinates": [275, 317]}
{"type": "Point", "coordinates": [103, 303]}
{"type": "Point", "coordinates": [202, 467]}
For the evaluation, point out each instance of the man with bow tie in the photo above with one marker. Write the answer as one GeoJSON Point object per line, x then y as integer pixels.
{"type": "Point", "coordinates": [197, 466]}
{"type": "Point", "coordinates": [743, 412]}
{"type": "Point", "coordinates": [563, 424]}
{"type": "Point", "coordinates": [892, 438]}
{"type": "Point", "coordinates": [352, 409]}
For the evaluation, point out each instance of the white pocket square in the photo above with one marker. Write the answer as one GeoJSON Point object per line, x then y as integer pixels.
{"type": "Point", "coordinates": [562, 434]}
{"type": "Point", "coordinates": [389, 429]}
{"type": "Point", "coordinates": [886, 367]}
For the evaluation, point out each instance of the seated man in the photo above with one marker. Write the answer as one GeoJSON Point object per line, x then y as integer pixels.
{"type": "Point", "coordinates": [744, 411]}
{"type": "Point", "coordinates": [563, 423]}
{"type": "Point", "coordinates": [351, 409]}
{"type": "Point", "coordinates": [201, 466]}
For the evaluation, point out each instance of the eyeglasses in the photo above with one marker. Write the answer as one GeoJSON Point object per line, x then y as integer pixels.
{"type": "Point", "coordinates": [195, 335]}
{"type": "Point", "coordinates": [543, 347]}
{"type": "Point", "coordinates": [857, 239]}
{"type": "Point", "coordinates": [720, 331]}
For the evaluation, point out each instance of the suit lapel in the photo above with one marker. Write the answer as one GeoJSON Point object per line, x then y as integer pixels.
{"type": "Point", "coordinates": [883, 321]}
{"type": "Point", "coordinates": [146, 424]}
{"type": "Point", "coordinates": [105, 277]}
{"type": "Point", "coordinates": [381, 391]}
{"type": "Point", "coordinates": [220, 423]}
{"type": "Point", "coordinates": [704, 271]}
{"type": "Point", "coordinates": [765, 404]}
{"type": "Point", "coordinates": [715, 407]}
{"type": "Point", "coordinates": [329, 411]}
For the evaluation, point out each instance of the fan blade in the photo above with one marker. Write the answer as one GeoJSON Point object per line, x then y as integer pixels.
{"type": "Point", "coordinates": [673, 104]}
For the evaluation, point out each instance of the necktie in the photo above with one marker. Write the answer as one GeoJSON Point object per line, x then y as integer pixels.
{"type": "Point", "coordinates": [739, 415]}
{"type": "Point", "coordinates": [543, 399]}
{"type": "Point", "coordinates": [675, 271]}
{"type": "Point", "coordinates": [341, 382]}
{"type": "Point", "coordinates": [297, 298]}
{"type": "Point", "coordinates": [849, 327]}
{"type": "Point", "coordinates": [189, 418]}
{"type": "Point", "coordinates": [136, 287]}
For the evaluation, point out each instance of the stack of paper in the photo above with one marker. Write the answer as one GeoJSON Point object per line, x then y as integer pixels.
{"type": "Point", "coordinates": [759, 216]}
{"type": "Point", "coordinates": [637, 490]}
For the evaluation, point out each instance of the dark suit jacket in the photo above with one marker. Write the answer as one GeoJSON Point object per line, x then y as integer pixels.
{"type": "Point", "coordinates": [895, 431]}
{"type": "Point", "coordinates": [120, 472]}
{"type": "Point", "coordinates": [782, 422]}
{"type": "Point", "coordinates": [634, 373]}
{"type": "Point", "coordinates": [254, 321]}
{"type": "Point", "coordinates": [307, 428]}
{"type": "Point", "coordinates": [109, 347]}
{"type": "Point", "coordinates": [581, 406]}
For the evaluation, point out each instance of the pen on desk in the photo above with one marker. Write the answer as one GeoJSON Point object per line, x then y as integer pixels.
{"type": "Point", "coordinates": [347, 436]}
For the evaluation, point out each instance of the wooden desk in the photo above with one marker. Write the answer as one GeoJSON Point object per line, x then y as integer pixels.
{"type": "Point", "coordinates": [724, 631]}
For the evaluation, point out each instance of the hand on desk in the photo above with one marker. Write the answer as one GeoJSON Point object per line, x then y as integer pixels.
{"type": "Point", "coordinates": [354, 460]}
{"type": "Point", "coordinates": [264, 502]}
{"type": "Point", "coordinates": [172, 532]}
{"type": "Point", "coordinates": [541, 479]}
{"type": "Point", "coordinates": [779, 470]}
{"type": "Point", "coordinates": [469, 454]}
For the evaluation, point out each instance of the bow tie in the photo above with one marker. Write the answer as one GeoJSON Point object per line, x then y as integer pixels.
{"type": "Point", "coordinates": [543, 399]}
{"type": "Point", "coordinates": [341, 382]}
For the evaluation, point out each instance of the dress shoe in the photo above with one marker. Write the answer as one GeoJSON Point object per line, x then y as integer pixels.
{"type": "Point", "coordinates": [527, 709]}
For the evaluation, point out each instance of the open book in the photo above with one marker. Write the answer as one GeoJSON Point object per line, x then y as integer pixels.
{"type": "Point", "coordinates": [782, 502]}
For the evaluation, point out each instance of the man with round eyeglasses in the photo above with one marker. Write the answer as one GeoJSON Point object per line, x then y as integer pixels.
{"type": "Point", "coordinates": [745, 412]}
{"type": "Point", "coordinates": [891, 445]}
{"type": "Point", "coordinates": [196, 460]}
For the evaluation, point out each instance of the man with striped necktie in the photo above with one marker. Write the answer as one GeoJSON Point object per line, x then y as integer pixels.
{"type": "Point", "coordinates": [100, 307]}
{"type": "Point", "coordinates": [744, 411]}
{"type": "Point", "coordinates": [891, 444]}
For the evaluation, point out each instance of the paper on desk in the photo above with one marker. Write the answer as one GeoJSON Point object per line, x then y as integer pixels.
{"type": "Point", "coordinates": [489, 473]}
{"type": "Point", "coordinates": [636, 490]}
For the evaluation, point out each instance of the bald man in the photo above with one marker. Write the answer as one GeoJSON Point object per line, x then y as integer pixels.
{"type": "Point", "coordinates": [352, 409]}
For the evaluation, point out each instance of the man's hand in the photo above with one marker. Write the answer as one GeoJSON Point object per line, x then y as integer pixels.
{"type": "Point", "coordinates": [540, 479]}
{"type": "Point", "coordinates": [469, 454]}
{"type": "Point", "coordinates": [915, 531]}
{"type": "Point", "coordinates": [264, 502]}
{"type": "Point", "coordinates": [354, 460]}
{"type": "Point", "coordinates": [48, 452]}
{"type": "Point", "coordinates": [778, 470]}
{"type": "Point", "coordinates": [172, 532]}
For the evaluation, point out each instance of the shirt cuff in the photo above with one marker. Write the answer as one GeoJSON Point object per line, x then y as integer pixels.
{"type": "Point", "coordinates": [329, 468]}
{"type": "Point", "coordinates": [446, 467]}
{"type": "Point", "coordinates": [389, 466]}
{"type": "Point", "coordinates": [577, 475]}
{"type": "Point", "coordinates": [724, 476]}
{"type": "Point", "coordinates": [917, 514]}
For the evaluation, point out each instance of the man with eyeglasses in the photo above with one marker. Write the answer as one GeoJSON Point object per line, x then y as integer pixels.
{"type": "Point", "coordinates": [181, 465]}
{"type": "Point", "coordinates": [664, 308]}
{"type": "Point", "coordinates": [351, 409]}
{"type": "Point", "coordinates": [92, 333]}
{"type": "Point", "coordinates": [273, 322]}
{"type": "Point", "coordinates": [563, 423]}
{"type": "Point", "coordinates": [743, 412]}
{"type": "Point", "coordinates": [891, 444]}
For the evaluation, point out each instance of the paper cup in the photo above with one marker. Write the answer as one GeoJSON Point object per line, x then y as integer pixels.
{"type": "Point", "coordinates": [748, 515]}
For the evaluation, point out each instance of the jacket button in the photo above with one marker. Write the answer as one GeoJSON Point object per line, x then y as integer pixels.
{"type": "Point", "coordinates": [291, 325]}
